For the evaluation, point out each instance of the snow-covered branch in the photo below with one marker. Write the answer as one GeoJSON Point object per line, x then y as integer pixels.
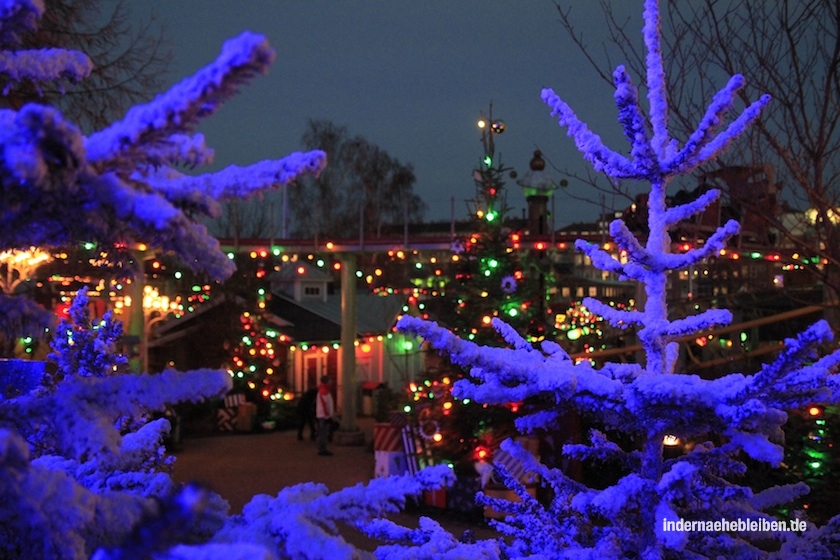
{"type": "Point", "coordinates": [588, 143]}
{"type": "Point", "coordinates": [620, 318]}
{"type": "Point", "coordinates": [676, 214]}
{"type": "Point", "coordinates": [180, 109]}
{"type": "Point", "coordinates": [656, 83]}
{"type": "Point", "coordinates": [633, 120]}
{"type": "Point", "coordinates": [43, 65]}
{"type": "Point", "coordinates": [687, 159]}
{"type": "Point", "coordinates": [600, 258]}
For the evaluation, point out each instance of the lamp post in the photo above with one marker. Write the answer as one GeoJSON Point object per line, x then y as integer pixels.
{"type": "Point", "coordinates": [155, 309]}
{"type": "Point", "coordinates": [489, 127]}
{"type": "Point", "coordinates": [488, 176]}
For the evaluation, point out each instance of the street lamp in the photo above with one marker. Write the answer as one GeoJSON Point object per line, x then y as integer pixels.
{"type": "Point", "coordinates": [489, 126]}
{"type": "Point", "coordinates": [488, 176]}
{"type": "Point", "coordinates": [155, 309]}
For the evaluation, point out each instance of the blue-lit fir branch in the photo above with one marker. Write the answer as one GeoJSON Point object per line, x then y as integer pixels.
{"type": "Point", "coordinates": [34, 66]}
{"type": "Point", "coordinates": [179, 110]}
{"type": "Point", "coordinates": [601, 449]}
{"type": "Point", "coordinates": [117, 186]}
{"type": "Point", "coordinates": [676, 214]}
{"type": "Point", "coordinates": [428, 540]}
{"type": "Point", "coordinates": [695, 323]}
{"type": "Point", "coordinates": [602, 260]}
{"type": "Point", "coordinates": [632, 119]}
{"type": "Point", "coordinates": [620, 318]}
{"type": "Point", "coordinates": [626, 241]}
{"type": "Point", "coordinates": [509, 335]}
{"type": "Point", "coordinates": [301, 522]}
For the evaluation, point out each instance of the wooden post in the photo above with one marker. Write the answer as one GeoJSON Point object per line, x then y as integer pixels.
{"type": "Point", "coordinates": [348, 434]}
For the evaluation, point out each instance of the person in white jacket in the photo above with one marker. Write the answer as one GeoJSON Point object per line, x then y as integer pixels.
{"type": "Point", "coordinates": [324, 411]}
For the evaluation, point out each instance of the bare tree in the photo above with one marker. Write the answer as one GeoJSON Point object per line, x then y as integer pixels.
{"type": "Point", "coordinates": [129, 56]}
{"type": "Point", "coordinates": [361, 190]}
{"type": "Point", "coordinates": [249, 219]}
{"type": "Point", "coordinates": [787, 48]}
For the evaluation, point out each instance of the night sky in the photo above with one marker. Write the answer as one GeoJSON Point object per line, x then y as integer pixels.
{"type": "Point", "coordinates": [412, 77]}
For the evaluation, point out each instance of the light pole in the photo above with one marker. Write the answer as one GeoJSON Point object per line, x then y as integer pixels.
{"type": "Point", "coordinates": [488, 176]}
{"type": "Point", "coordinates": [155, 309]}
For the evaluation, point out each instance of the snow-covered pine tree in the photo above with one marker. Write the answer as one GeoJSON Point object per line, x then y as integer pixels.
{"type": "Point", "coordinates": [120, 185]}
{"type": "Point", "coordinates": [72, 485]}
{"type": "Point", "coordinates": [728, 418]}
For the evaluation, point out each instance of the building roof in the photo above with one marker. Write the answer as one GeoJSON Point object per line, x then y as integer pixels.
{"type": "Point", "coordinates": [313, 320]}
{"type": "Point", "coordinates": [290, 275]}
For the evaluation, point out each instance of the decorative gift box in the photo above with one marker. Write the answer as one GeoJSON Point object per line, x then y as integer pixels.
{"type": "Point", "coordinates": [389, 463]}
{"type": "Point", "coordinates": [386, 437]}
{"type": "Point", "coordinates": [435, 498]}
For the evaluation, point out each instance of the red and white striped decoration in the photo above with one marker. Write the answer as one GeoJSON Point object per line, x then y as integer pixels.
{"type": "Point", "coordinates": [232, 401]}
{"type": "Point", "coordinates": [226, 419]}
{"type": "Point", "coordinates": [386, 438]}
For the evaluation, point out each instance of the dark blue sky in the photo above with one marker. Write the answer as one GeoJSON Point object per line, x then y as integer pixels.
{"type": "Point", "coordinates": [412, 77]}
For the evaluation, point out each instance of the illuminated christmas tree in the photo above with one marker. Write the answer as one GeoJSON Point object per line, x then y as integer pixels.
{"type": "Point", "coordinates": [811, 456]}
{"type": "Point", "coordinates": [256, 358]}
{"type": "Point", "coordinates": [490, 274]}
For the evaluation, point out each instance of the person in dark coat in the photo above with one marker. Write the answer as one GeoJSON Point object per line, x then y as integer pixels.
{"type": "Point", "coordinates": [306, 413]}
{"type": "Point", "coordinates": [325, 413]}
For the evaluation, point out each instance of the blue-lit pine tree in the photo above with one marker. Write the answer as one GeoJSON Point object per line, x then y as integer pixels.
{"type": "Point", "coordinates": [75, 481]}
{"type": "Point", "coordinates": [727, 420]}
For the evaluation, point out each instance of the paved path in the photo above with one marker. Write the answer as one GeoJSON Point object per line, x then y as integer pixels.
{"type": "Point", "coordinates": [238, 466]}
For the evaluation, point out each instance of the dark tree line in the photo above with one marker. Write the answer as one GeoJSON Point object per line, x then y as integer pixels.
{"type": "Point", "coordinates": [362, 190]}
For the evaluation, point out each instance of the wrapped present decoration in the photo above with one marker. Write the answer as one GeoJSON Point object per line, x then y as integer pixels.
{"type": "Point", "coordinates": [386, 437]}
{"type": "Point", "coordinates": [235, 414]}
{"type": "Point", "coordinates": [513, 466]}
{"type": "Point", "coordinates": [435, 498]}
{"type": "Point", "coordinates": [389, 463]}
{"type": "Point", "coordinates": [226, 419]}
{"type": "Point", "coordinates": [246, 417]}
{"type": "Point", "coordinates": [234, 400]}
{"type": "Point", "coordinates": [461, 495]}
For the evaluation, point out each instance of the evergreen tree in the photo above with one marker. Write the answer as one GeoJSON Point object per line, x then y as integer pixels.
{"type": "Point", "coordinates": [490, 275]}
{"type": "Point", "coordinates": [738, 416]}
{"type": "Point", "coordinates": [73, 483]}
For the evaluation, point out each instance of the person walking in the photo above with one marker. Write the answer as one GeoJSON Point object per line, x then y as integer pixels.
{"type": "Point", "coordinates": [306, 413]}
{"type": "Point", "coordinates": [324, 411]}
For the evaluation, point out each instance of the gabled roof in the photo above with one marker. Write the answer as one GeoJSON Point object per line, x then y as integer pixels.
{"type": "Point", "coordinates": [316, 320]}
